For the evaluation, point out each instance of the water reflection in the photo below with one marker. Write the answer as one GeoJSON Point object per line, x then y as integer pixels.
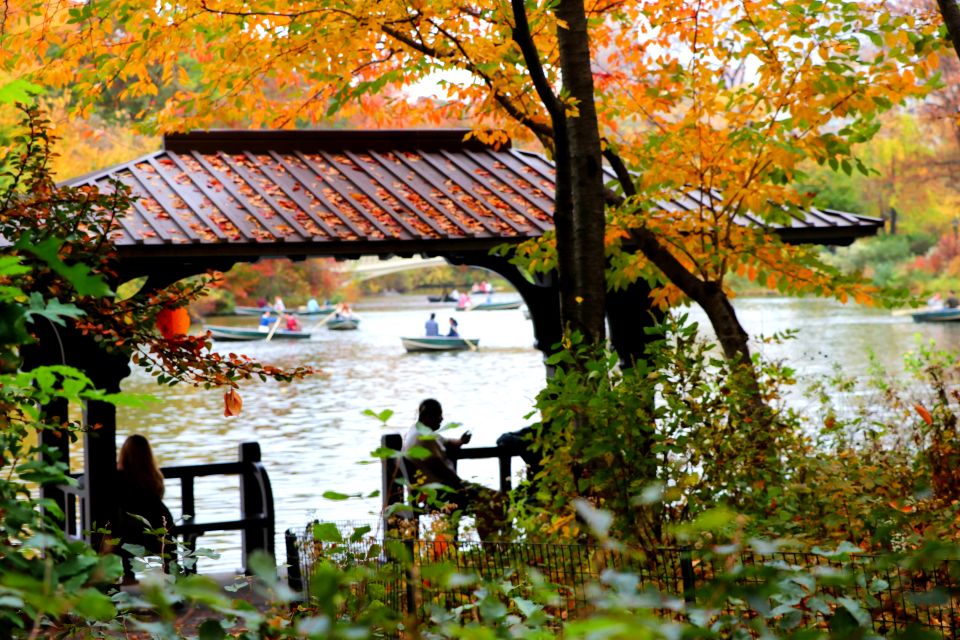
{"type": "Point", "coordinates": [313, 434]}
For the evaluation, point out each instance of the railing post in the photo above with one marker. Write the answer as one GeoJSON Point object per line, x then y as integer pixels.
{"type": "Point", "coordinates": [56, 440]}
{"type": "Point", "coordinates": [687, 576]}
{"type": "Point", "coordinates": [294, 574]}
{"type": "Point", "coordinates": [505, 472]}
{"type": "Point", "coordinates": [256, 501]}
{"type": "Point", "coordinates": [188, 510]}
{"type": "Point", "coordinates": [391, 491]}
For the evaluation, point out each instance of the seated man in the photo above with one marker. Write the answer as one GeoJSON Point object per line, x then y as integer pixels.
{"type": "Point", "coordinates": [433, 465]}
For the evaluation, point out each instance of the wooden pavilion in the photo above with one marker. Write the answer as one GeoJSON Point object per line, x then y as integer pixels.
{"type": "Point", "coordinates": [211, 199]}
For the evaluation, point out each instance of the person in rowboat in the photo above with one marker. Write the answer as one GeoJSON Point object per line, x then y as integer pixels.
{"type": "Point", "coordinates": [292, 323]}
{"type": "Point", "coordinates": [952, 302]}
{"type": "Point", "coordinates": [453, 329]}
{"type": "Point", "coordinates": [266, 321]}
{"type": "Point", "coordinates": [431, 327]}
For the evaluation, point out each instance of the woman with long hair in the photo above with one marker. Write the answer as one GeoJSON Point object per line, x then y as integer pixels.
{"type": "Point", "coordinates": [140, 498]}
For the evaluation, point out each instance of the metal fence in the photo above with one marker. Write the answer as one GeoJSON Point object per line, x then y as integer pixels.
{"type": "Point", "coordinates": [897, 599]}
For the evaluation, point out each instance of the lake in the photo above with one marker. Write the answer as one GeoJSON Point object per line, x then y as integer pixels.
{"type": "Point", "coordinates": [315, 438]}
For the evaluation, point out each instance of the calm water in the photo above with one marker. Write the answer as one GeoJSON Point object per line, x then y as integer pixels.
{"type": "Point", "coordinates": [315, 437]}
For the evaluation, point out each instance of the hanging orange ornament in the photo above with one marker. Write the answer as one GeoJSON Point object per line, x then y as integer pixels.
{"type": "Point", "coordinates": [173, 322]}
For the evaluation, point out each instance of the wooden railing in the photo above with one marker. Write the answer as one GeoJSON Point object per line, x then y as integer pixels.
{"type": "Point", "coordinates": [392, 480]}
{"type": "Point", "coordinates": [257, 516]}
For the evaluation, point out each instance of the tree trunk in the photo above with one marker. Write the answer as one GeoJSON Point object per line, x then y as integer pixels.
{"type": "Point", "coordinates": [579, 217]}
{"type": "Point", "coordinates": [951, 18]}
{"type": "Point", "coordinates": [580, 198]}
{"type": "Point", "coordinates": [583, 304]}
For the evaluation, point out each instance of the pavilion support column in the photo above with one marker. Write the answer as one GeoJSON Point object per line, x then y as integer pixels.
{"type": "Point", "coordinates": [57, 443]}
{"type": "Point", "coordinates": [629, 313]}
{"type": "Point", "coordinates": [100, 444]}
{"type": "Point", "coordinates": [544, 305]}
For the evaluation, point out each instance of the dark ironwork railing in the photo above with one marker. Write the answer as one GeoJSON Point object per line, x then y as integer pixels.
{"type": "Point", "coordinates": [898, 600]}
{"type": "Point", "coordinates": [257, 520]}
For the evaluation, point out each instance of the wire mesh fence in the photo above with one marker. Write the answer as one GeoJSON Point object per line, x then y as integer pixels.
{"type": "Point", "coordinates": [404, 575]}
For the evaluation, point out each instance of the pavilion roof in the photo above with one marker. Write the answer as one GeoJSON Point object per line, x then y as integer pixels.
{"type": "Point", "coordinates": [348, 192]}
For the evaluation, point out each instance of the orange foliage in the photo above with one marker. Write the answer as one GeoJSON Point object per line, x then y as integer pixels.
{"type": "Point", "coordinates": [724, 96]}
{"type": "Point", "coordinates": [232, 403]}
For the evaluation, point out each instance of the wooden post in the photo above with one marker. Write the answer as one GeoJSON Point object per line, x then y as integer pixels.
{"type": "Point", "coordinates": [100, 469]}
{"type": "Point", "coordinates": [294, 570]}
{"type": "Point", "coordinates": [256, 500]}
{"type": "Point", "coordinates": [188, 510]}
{"type": "Point", "coordinates": [391, 489]}
{"type": "Point", "coordinates": [392, 492]}
{"type": "Point", "coordinates": [106, 370]}
{"type": "Point", "coordinates": [56, 413]}
{"type": "Point", "coordinates": [505, 472]}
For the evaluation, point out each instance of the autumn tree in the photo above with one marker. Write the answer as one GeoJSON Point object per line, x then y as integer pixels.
{"type": "Point", "coordinates": [719, 98]}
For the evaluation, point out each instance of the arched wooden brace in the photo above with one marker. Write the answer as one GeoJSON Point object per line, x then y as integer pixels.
{"type": "Point", "coordinates": [541, 297]}
{"type": "Point", "coordinates": [629, 311]}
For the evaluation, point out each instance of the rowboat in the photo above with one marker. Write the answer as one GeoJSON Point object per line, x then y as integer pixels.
{"type": "Point", "coordinates": [343, 324]}
{"type": "Point", "coordinates": [438, 343]}
{"type": "Point", "coordinates": [937, 315]}
{"type": "Point", "coordinates": [492, 306]}
{"type": "Point", "coordinates": [236, 334]}
{"type": "Point", "coordinates": [444, 298]}
{"type": "Point", "coordinates": [258, 311]}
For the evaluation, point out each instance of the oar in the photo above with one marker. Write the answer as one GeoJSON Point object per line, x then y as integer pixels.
{"type": "Point", "coordinates": [472, 346]}
{"type": "Point", "coordinates": [906, 312]}
{"type": "Point", "coordinates": [320, 323]}
{"type": "Point", "coordinates": [273, 329]}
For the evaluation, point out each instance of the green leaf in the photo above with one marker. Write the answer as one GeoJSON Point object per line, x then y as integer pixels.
{"type": "Point", "coordinates": [94, 605]}
{"type": "Point", "coordinates": [527, 607]}
{"type": "Point", "coordinates": [53, 310]}
{"type": "Point", "coordinates": [418, 453]}
{"type": "Point", "coordinates": [862, 617]}
{"type": "Point", "coordinates": [79, 275]}
{"type": "Point", "coordinates": [333, 495]}
{"type": "Point", "coordinates": [326, 532]}
{"type": "Point", "coordinates": [211, 630]}
{"type": "Point", "coordinates": [19, 90]}
{"type": "Point", "coordinates": [599, 521]}
{"type": "Point", "coordinates": [359, 532]}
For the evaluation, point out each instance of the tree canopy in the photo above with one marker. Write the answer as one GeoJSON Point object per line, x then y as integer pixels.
{"type": "Point", "coordinates": [727, 97]}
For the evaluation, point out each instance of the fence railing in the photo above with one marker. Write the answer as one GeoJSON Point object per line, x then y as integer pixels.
{"type": "Point", "coordinates": [394, 487]}
{"type": "Point", "coordinates": [257, 520]}
{"type": "Point", "coordinates": [897, 599]}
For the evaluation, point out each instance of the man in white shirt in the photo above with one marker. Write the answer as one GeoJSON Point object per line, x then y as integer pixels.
{"type": "Point", "coordinates": [432, 464]}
